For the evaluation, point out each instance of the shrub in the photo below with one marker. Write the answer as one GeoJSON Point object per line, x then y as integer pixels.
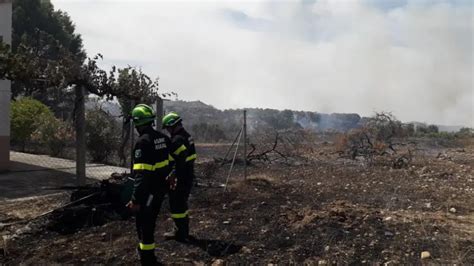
{"type": "Point", "coordinates": [101, 130]}
{"type": "Point", "coordinates": [465, 132]}
{"type": "Point", "coordinates": [380, 136]}
{"type": "Point", "coordinates": [26, 117]}
{"type": "Point", "coordinates": [408, 129]}
{"type": "Point", "coordinates": [427, 129]}
{"type": "Point", "coordinates": [433, 129]}
{"type": "Point", "coordinates": [53, 133]}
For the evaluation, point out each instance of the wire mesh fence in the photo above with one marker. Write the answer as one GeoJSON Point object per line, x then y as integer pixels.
{"type": "Point", "coordinates": [42, 141]}
{"type": "Point", "coordinates": [109, 136]}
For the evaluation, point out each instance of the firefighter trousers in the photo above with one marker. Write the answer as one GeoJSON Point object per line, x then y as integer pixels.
{"type": "Point", "coordinates": [145, 224]}
{"type": "Point", "coordinates": [178, 200]}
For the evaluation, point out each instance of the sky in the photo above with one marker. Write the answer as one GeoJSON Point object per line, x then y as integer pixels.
{"type": "Point", "coordinates": [411, 58]}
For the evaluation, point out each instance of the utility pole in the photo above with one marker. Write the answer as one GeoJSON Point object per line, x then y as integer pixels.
{"type": "Point", "coordinates": [159, 113]}
{"type": "Point", "coordinates": [245, 144]}
{"type": "Point", "coordinates": [80, 118]}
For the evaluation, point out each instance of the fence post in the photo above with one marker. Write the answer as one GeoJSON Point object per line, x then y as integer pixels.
{"type": "Point", "coordinates": [132, 139]}
{"type": "Point", "coordinates": [245, 144]}
{"type": "Point", "coordinates": [159, 113]}
{"type": "Point", "coordinates": [80, 136]}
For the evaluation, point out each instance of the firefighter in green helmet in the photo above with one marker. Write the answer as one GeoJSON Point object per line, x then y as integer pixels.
{"type": "Point", "coordinates": [151, 167]}
{"type": "Point", "coordinates": [184, 154]}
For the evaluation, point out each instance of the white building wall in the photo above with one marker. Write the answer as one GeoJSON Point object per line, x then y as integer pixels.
{"type": "Point", "coordinates": [5, 88]}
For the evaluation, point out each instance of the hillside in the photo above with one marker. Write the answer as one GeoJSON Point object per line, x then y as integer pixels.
{"type": "Point", "coordinates": [213, 123]}
{"type": "Point", "coordinates": [197, 112]}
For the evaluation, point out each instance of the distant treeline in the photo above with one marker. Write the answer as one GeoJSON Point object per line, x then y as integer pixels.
{"type": "Point", "coordinates": [209, 123]}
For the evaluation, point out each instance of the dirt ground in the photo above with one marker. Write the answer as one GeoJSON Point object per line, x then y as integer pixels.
{"type": "Point", "coordinates": [321, 210]}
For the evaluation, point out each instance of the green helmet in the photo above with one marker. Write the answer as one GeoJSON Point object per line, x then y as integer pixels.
{"type": "Point", "coordinates": [143, 114]}
{"type": "Point", "coordinates": [171, 119]}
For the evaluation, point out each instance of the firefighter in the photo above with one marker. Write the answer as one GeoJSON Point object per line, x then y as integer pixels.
{"type": "Point", "coordinates": [151, 168]}
{"type": "Point", "coordinates": [184, 154]}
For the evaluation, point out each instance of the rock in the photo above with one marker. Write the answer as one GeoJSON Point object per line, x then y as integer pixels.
{"type": "Point", "coordinates": [217, 262]}
{"type": "Point", "coordinates": [452, 210]}
{"type": "Point", "coordinates": [326, 248]}
{"type": "Point", "coordinates": [59, 241]}
{"type": "Point", "coordinates": [246, 250]}
{"type": "Point", "coordinates": [322, 262]}
{"type": "Point", "coordinates": [23, 230]}
{"type": "Point", "coordinates": [3, 249]}
{"type": "Point", "coordinates": [428, 205]}
{"type": "Point", "coordinates": [425, 255]}
{"type": "Point", "coordinates": [389, 218]}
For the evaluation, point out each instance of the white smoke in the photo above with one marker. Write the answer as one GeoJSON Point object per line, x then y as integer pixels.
{"type": "Point", "coordinates": [413, 59]}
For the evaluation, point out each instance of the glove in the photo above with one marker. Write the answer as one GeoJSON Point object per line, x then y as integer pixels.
{"type": "Point", "coordinates": [172, 180]}
{"type": "Point", "coordinates": [133, 207]}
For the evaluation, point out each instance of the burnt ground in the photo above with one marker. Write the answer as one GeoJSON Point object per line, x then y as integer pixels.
{"type": "Point", "coordinates": [323, 209]}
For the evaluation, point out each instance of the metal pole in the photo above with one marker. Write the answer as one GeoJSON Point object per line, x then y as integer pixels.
{"type": "Point", "coordinates": [233, 161]}
{"type": "Point", "coordinates": [245, 144]}
{"type": "Point", "coordinates": [159, 113]}
{"type": "Point", "coordinates": [132, 138]}
{"type": "Point", "coordinates": [231, 146]}
{"type": "Point", "coordinates": [80, 136]}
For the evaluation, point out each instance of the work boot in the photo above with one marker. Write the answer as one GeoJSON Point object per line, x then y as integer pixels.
{"type": "Point", "coordinates": [183, 229]}
{"type": "Point", "coordinates": [148, 258]}
{"type": "Point", "coordinates": [180, 232]}
{"type": "Point", "coordinates": [170, 235]}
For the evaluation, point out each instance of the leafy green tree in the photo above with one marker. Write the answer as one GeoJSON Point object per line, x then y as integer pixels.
{"type": "Point", "coordinates": [48, 34]}
{"type": "Point", "coordinates": [423, 129]}
{"type": "Point", "coordinates": [47, 53]}
{"type": "Point", "coordinates": [47, 59]}
{"type": "Point", "coordinates": [277, 119]}
{"type": "Point", "coordinates": [433, 129]}
{"type": "Point", "coordinates": [315, 117]}
{"type": "Point", "coordinates": [145, 90]}
{"type": "Point", "coordinates": [26, 115]}
{"type": "Point", "coordinates": [42, 38]}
